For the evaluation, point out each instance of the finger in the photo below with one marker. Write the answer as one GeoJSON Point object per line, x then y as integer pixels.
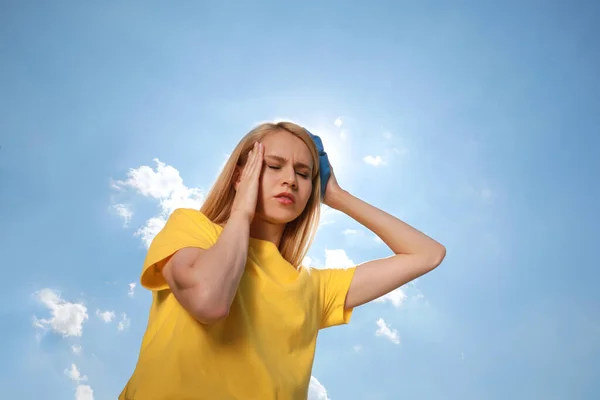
{"type": "Point", "coordinates": [259, 158]}
{"type": "Point", "coordinates": [250, 161]}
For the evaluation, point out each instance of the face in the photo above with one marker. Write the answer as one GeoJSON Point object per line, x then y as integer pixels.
{"type": "Point", "coordinates": [286, 178]}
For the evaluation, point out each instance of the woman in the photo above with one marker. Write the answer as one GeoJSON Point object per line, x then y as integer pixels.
{"type": "Point", "coordinates": [234, 314]}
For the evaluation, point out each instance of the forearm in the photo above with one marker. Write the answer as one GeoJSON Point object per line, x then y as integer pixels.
{"type": "Point", "coordinates": [399, 236]}
{"type": "Point", "coordinates": [218, 270]}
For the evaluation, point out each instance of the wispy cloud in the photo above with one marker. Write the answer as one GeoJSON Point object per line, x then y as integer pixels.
{"type": "Point", "coordinates": [328, 216]}
{"type": "Point", "coordinates": [386, 157]}
{"type": "Point", "coordinates": [131, 293]}
{"type": "Point", "coordinates": [360, 238]}
{"type": "Point", "coordinates": [74, 374]}
{"type": "Point", "coordinates": [124, 212]}
{"type": "Point", "coordinates": [396, 297]}
{"type": "Point", "coordinates": [375, 161]}
{"type": "Point", "coordinates": [106, 316]}
{"type": "Point", "coordinates": [386, 331]}
{"type": "Point", "coordinates": [124, 323]}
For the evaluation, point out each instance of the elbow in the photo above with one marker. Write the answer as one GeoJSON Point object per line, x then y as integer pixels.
{"type": "Point", "coordinates": [432, 257]}
{"type": "Point", "coordinates": [210, 315]}
{"type": "Point", "coordinates": [438, 255]}
{"type": "Point", "coordinates": [209, 311]}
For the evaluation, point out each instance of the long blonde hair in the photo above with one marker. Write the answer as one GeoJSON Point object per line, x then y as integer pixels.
{"type": "Point", "coordinates": [298, 234]}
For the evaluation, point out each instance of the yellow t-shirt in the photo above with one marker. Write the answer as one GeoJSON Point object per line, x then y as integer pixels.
{"type": "Point", "coordinates": [263, 350]}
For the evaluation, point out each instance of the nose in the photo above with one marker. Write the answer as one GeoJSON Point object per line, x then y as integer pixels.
{"type": "Point", "coordinates": [290, 178]}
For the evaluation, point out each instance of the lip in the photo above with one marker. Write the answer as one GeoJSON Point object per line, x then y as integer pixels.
{"type": "Point", "coordinates": [288, 195]}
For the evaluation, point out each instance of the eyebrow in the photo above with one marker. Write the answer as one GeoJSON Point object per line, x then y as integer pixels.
{"type": "Point", "coordinates": [283, 160]}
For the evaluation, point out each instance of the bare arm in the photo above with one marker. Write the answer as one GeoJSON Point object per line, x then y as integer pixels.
{"type": "Point", "coordinates": [204, 282]}
{"type": "Point", "coordinates": [415, 253]}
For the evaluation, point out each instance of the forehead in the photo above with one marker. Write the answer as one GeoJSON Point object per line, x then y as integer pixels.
{"type": "Point", "coordinates": [287, 145]}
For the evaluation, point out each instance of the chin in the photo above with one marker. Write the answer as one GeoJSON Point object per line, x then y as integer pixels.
{"type": "Point", "coordinates": [279, 215]}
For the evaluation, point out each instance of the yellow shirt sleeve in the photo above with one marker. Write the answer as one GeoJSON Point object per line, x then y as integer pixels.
{"type": "Point", "coordinates": [184, 228]}
{"type": "Point", "coordinates": [332, 287]}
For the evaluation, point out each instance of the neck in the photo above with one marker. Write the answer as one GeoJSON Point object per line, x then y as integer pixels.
{"type": "Point", "coordinates": [263, 230]}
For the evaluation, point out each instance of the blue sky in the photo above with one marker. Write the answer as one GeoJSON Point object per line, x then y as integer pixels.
{"type": "Point", "coordinates": [476, 122]}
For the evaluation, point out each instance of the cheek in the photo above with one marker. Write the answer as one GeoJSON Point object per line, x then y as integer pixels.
{"type": "Point", "coordinates": [306, 190]}
{"type": "Point", "coordinates": [265, 182]}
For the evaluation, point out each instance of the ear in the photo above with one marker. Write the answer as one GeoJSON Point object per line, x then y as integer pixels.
{"type": "Point", "coordinates": [237, 173]}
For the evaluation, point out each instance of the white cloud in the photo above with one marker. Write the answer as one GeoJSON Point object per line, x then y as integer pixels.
{"type": "Point", "coordinates": [76, 349]}
{"type": "Point", "coordinates": [338, 122]}
{"type": "Point", "coordinates": [385, 331]}
{"type": "Point", "coordinates": [396, 297]}
{"type": "Point", "coordinates": [311, 262]}
{"type": "Point", "coordinates": [375, 161]}
{"type": "Point", "coordinates": [333, 259]}
{"type": "Point", "coordinates": [151, 229]}
{"type": "Point", "coordinates": [316, 391]}
{"type": "Point", "coordinates": [106, 316]}
{"type": "Point", "coordinates": [328, 216]}
{"type": "Point", "coordinates": [166, 185]}
{"type": "Point", "coordinates": [66, 318]}
{"type": "Point", "coordinates": [84, 392]}
{"type": "Point", "coordinates": [130, 293]}
{"type": "Point", "coordinates": [388, 155]}
{"type": "Point", "coordinates": [124, 323]}
{"type": "Point", "coordinates": [124, 212]}
{"type": "Point", "coordinates": [74, 374]}
{"type": "Point", "coordinates": [387, 135]}
{"type": "Point", "coordinates": [337, 259]}
{"type": "Point", "coordinates": [350, 232]}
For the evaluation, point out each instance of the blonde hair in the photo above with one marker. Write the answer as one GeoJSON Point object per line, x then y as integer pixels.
{"type": "Point", "coordinates": [298, 234]}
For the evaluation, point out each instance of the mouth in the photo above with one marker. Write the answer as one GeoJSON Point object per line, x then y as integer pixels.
{"type": "Point", "coordinates": [285, 198]}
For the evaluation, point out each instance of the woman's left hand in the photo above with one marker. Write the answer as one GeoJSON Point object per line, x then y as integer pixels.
{"type": "Point", "coordinates": [333, 191]}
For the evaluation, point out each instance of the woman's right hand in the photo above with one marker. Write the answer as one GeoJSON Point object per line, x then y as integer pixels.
{"type": "Point", "coordinates": [247, 185]}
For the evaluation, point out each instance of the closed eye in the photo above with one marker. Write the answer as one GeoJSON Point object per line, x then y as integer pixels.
{"type": "Point", "coordinates": [276, 167]}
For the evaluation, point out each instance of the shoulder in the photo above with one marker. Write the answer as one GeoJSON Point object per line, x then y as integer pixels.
{"type": "Point", "coordinates": [326, 278]}
{"type": "Point", "coordinates": [191, 214]}
{"type": "Point", "coordinates": [189, 218]}
{"type": "Point", "coordinates": [184, 228]}
{"type": "Point", "coordinates": [185, 225]}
